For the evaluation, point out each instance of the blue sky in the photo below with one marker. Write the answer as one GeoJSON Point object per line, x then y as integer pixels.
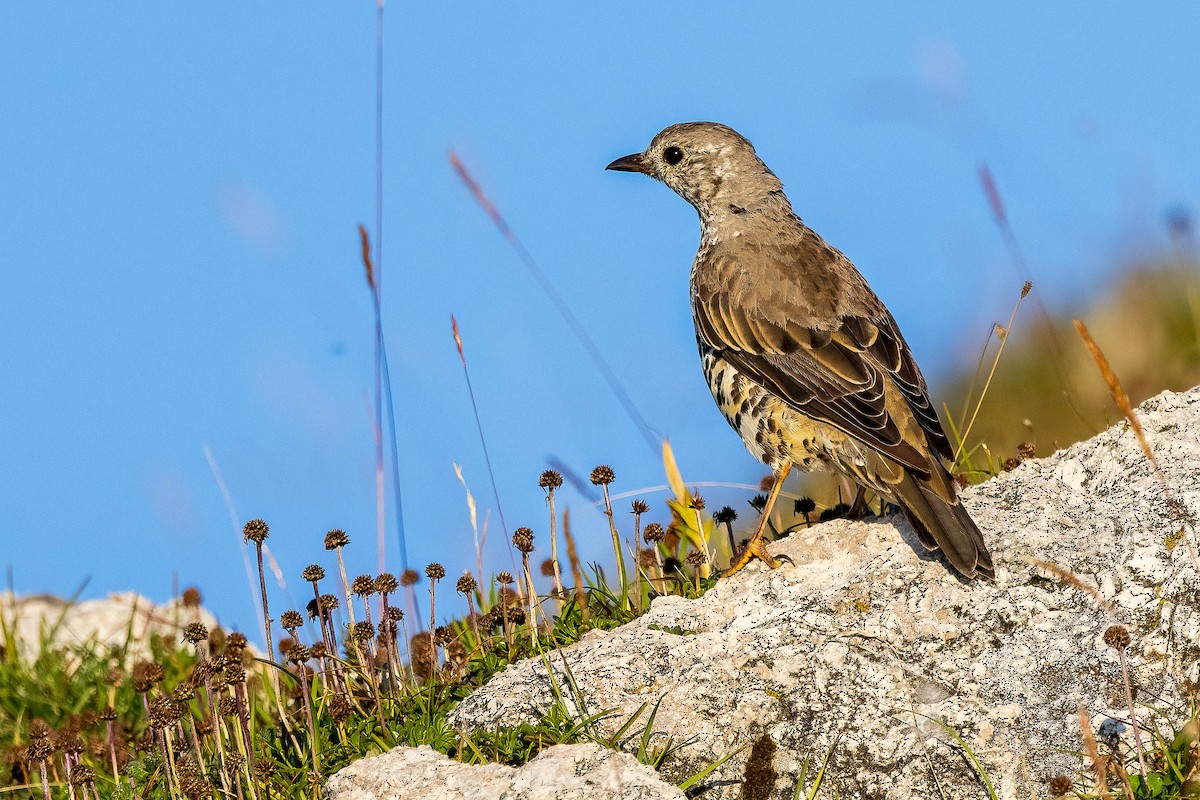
{"type": "Point", "coordinates": [179, 263]}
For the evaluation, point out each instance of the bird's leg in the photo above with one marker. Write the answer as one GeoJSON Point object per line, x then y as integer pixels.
{"type": "Point", "coordinates": [757, 546]}
{"type": "Point", "coordinates": [859, 508]}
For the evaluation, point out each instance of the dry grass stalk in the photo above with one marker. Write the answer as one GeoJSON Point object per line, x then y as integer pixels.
{"type": "Point", "coordinates": [1002, 334]}
{"type": "Point", "coordinates": [1121, 399]}
{"type": "Point", "coordinates": [1099, 762]}
{"type": "Point", "coordinates": [576, 569]}
{"type": "Point", "coordinates": [1066, 576]}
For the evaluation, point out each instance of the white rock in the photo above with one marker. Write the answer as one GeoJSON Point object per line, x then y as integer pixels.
{"type": "Point", "coordinates": [562, 772]}
{"type": "Point", "coordinates": [843, 652]}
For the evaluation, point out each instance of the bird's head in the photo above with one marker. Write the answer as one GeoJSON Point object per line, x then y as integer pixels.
{"type": "Point", "coordinates": [707, 164]}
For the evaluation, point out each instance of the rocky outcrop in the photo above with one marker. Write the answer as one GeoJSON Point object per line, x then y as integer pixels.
{"type": "Point", "coordinates": [125, 620]}
{"type": "Point", "coordinates": [870, 653]}
{"type": "Point", "coordinates": [564, 772]}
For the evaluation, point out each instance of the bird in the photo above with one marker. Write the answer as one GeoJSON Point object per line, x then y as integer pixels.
{"type": "Point", "coordinates": [804, 360]}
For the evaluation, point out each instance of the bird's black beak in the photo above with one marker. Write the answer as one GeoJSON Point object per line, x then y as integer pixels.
{"type": "Point", "coordinates": [630, 163]}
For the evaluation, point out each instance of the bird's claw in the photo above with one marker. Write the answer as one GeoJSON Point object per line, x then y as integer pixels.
{"type": "Point", "coordinates": [756, 548]}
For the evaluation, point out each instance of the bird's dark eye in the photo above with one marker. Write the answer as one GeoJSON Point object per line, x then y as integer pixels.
{"type": "Point", "coordinates": [672, 155]}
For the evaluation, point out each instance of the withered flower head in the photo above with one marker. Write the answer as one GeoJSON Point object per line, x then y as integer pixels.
{"type": "Point", "coordinates": [255, 531]}
{"type": "Point", "coordinates": [758, 502]}
{"type": "Point", "coordinates": [329, 602]}
{"type": "Point", "coordinates": [290, 620]}
{"type": "Point", "coordinates": [237, 639]}
{"type": "Point", "coordinates": [313, 573]}
{"type": "Point", "coordinates": [548, 568]}
{"type": "Point", "coordinates": [363, 586]}
{"type": "Point", "coordinates": [183, 693]}
{"type": "Point", "coordinates": [696, 558]}
{"type": "Point", "coordinates": [550, 479]}
{"type": "Point", "coordinates": [504, 577]}
{"type": "Point", "coordinates": [336, 538]}
{"type": "Point", "coordinates": [640, 506]}
{"type": "Point", "coordinates": [1060, 785]}
{"type": "Point", "coordinates": [386, 583]}
{"type": "Point", "coordinates": [195, 632]}
{"type": "Point", "coordinates": [523, 539]}
{"type": "Point", "coordinates": [395, 614]}
{"type": "Point", "coordinates": [1027, 450]}
{"type": "Point", "coordinates": [724, 515]}
{"type": "Point", "coordinates": [435, 571]}
{"type": "Point", "coordinates": [363, 631]}
{"type": "Point", "coordinates": [653, 533]}
{"type": "Point", "coordinates": [698, 502]}
{"type": "Point", "coordinates": [1117, 637]}
{"type": "Point", "coordinates": [603, 475]}
{"type": "Point", "coordinates": [465, 584]}
{"type": "Point", "coordinates": [805, 505]}
{"type": "Point", "coordinates": [410, 577]}
{"type": "Point", "coordinates": [191, 597]}
{"type": "Point", "coordinates": [299, 654]}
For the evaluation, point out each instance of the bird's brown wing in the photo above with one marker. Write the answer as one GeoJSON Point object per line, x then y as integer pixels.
{"type": "Point", "coordinates": [837, 375]}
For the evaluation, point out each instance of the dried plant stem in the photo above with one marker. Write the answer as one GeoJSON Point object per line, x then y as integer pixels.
{"type": "Point", "coordinates": [616, 542]}
{"type": "Point", "coordinates": [531, 600]}
{"type": "Point", "coordinates": [1002, 334]}
{"type": "Point", "coordinates": [576, 568]}
{"type": "Point", "coordinates": [704, 570]}
{"type": "Point", "coordinates": [262, 583]}
{"type": "Point", "coordinates": [558, 584]}
{"type": "Point", "coordinates": [345, 585]}
{"type": "Point", "coordinates": [1137, 733]}
{"type": "Point", "coordinates": [432, 631]}
{"type": "Point", "coordinates": [1099, 762]}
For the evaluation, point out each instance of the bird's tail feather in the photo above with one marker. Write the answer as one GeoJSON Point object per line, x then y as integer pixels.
{"type": "Point", "coordinates": [945, 526]}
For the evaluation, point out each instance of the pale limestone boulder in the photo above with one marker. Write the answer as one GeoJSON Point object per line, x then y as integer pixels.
{"type": "Point", "coordinates": [563, 772]}
{"type": "Point", "coordinates": [864, 645]}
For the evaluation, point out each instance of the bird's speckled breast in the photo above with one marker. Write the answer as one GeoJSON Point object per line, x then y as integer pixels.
{"type": "Point", "coordinates": [775, 433]}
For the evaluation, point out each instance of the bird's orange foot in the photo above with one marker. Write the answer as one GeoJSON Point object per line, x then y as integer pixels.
{"type": "Point", "coordinates": [755, 548]}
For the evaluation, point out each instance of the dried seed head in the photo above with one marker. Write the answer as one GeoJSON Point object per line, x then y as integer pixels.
{"type": "Point", "coordinates": [696, 558]}
{"type": "Point", "coordinates": [1117, 637]}
{"type": "Point", "coordinates": [317, 650]}
{"type": "Point", "coordinates": [255, 531]}
{"type": "Point", "coordinates": [290, 620]}
{"type": "Point", "coordinates": [603, 475]}
{"type": "Point", "coordinates": [435, 571]}
{"type": "Point", "coordinates": [724, 515]}
{"type": "Point", "coordinates": [640, 506]}
{"type": "Point", "coordinates": [504, 577]}
{"type": "Point", "coordinates": [39, 749]}
{"type": "Point", "coordinates": [523, 539]}
{"type": "Point", "coordinates": [1027, 450]}
{"type": "Point", "coordinates": [114, 677]}
{"type": "Point", "coordinates": [363, 631]}
{"type": "Point", "coordinates": [336, 538]}
{"type": "Point", "coordinates": [550, 479]}
{"type": "Point", "coordinates": [653, 533]}
{"type": "Point", "coordinates": [329, 602]}
{"type": "Point", "coordinates": [805, 505]}
{"type": "Point", "coordinates": [443, 635]}
{"type": "Point", "coordinates": [145, 675]}
{"type": "Point", "coordinates": [237, 639]}
{"type": "Point", "coordinates": [363, 586]}
{"type": "Point", "coordinates": [227, 707]}
{"type": "Point", "coordinates": [299, 654]}
{"type": "Point", "coordinates": [758, 502]}
{"type": "Point", "coordinates": [313, 573]}
{"type": "Point", "coordinates": [82, 774]}
{"type": "Point", "coordinates": [164, 712]}
{"type": "Point", "coordinates": [195, 632]}
{"type": "Point", "coordinates": [767, 483]}
{"type": "Point", "coordinates": [183, 693]}
{"type": "Point", "coordinates": [108, 713]}
{"type": "Point", "coordinates": [465, 584]}
{"type": "Point", "coordinates": [38, 729]}
{"type": "Point", "coordinates": [1060, 785]}
{"type": "Point", "coordinates": [386, 583]}
{"type": "Point", "coordinates": [191, 597]}
{"type": "Point", "coordinates": [548, 568]}
{"type": "Point", "coordinates": [395, 614]}
{"type": "Point", "coordinates": [1011, 463]}
{"type": "Point", "coordinates": [646, 559]}
{"type": "Point", "coordinates": [698, 502]}
{"type": "Point", "coordinates": [410, 577]}
{"type": "Point", "coordinates": [340, 708]}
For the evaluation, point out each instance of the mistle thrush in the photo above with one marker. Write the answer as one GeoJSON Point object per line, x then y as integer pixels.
{"type": "Point", "coordinates": [803, 359]}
